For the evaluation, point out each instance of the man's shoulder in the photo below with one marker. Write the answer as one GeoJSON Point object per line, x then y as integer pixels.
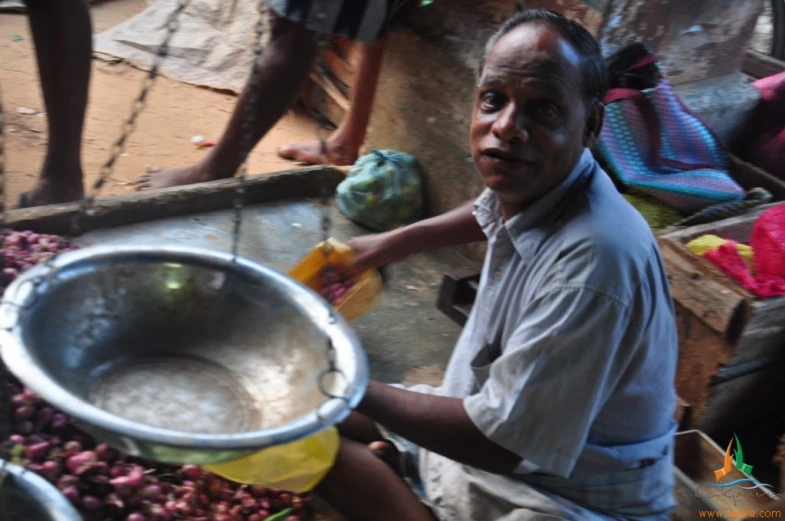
{"type": "Point", "coordinates": [603, 241]}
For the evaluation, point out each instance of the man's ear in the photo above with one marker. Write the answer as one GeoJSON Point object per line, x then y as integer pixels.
{"type": "Point", "coordinates": [594, 120]}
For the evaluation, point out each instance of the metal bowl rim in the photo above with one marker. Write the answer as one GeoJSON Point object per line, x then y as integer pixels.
{"type": "Point", "coordinates": [19, 361]}
{"type": "Point", "coordinates": [49, 499]}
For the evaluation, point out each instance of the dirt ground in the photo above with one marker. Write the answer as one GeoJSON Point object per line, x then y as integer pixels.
{"type": "Point", "coordinates": [175, 113]}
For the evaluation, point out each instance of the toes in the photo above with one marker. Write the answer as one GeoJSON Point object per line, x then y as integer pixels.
{"type": "Point", "coordinates": [379, 447]}
{"type": "Point", "coordinates": [287, 152]}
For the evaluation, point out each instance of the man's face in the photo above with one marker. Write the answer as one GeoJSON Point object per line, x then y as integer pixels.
{"type": "Point", "coordinates": [531, 121]}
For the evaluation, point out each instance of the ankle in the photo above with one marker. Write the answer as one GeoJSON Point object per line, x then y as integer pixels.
{"type": "Point", "coordinates": [214, 167]}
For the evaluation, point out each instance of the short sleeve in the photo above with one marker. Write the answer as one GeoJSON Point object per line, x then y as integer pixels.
{"type": "Point", "coordinates": [553, 375]}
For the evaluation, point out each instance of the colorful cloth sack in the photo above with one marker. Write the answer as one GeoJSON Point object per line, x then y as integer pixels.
{"type": "Point", "coordinates": [652, 143]}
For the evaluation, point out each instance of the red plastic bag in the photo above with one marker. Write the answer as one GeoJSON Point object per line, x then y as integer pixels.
{"type": "Point", "coordinates": [768, 244]}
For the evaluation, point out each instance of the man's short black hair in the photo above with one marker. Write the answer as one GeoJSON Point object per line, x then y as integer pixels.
{"type": "Point", "coordinates": [594, 70]}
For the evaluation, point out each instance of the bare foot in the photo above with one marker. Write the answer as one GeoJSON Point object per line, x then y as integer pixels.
{"type": "Point", "coordinates": [386, 451]}
{"type": "Point", "coordinates": [158, 177]}
{"type": "Point", "coordinates": [310, 152]}
{"type": "Point", "coordinates": [53, 191]}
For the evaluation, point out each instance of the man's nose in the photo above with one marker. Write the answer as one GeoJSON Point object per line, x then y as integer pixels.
{"type": "Point", "coordinates": [510, 124]}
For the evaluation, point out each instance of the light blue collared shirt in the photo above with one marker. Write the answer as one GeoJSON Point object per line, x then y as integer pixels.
{"type": "Point", "coordinates": [568, 358]}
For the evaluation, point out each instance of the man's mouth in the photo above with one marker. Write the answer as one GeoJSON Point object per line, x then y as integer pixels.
{"type": "Point", "coordinates": [504, 155]}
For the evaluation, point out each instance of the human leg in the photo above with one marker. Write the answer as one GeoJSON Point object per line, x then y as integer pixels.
{"type": "Point", "coordinates": [283, 69]}
{"type": "Point", "coordinates": [343, 146]}
{"type": "Point", "coordinates": [62, 33]}
{"type": "Point", "coordinates": [363, 488]}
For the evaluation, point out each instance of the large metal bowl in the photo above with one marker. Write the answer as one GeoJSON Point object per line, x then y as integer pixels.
{"type": "Point", "coordinates": [180, 354]}
{"type": "Point", "coordinates": [26, 496]}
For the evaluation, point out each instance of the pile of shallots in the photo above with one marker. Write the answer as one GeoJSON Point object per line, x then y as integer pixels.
{"type": "Point", "coordinates": [107, 485]}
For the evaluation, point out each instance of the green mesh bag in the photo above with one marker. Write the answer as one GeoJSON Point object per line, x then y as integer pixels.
{"type": "Point", "coordinates": [383, 190]}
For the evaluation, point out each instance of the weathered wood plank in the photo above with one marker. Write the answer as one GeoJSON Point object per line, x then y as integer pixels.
{"type": "Point", "coordinates": [172, 202]}
{"type": "Point", "coordinates": [737, 228]}
{"type": "Point", "coordinates": [750, 176]}
{"type": "Point", "coordinates": [702, 352]}
{"type": "Point", "coordinates": [703, 289]}
{"type": "Point", "coordinates": [759, 65]}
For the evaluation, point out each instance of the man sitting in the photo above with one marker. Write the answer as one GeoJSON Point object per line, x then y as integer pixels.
{"type": "Point", "coordinates": [558, 401]}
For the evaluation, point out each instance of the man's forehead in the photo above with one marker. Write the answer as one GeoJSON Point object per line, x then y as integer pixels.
{"type": "Point", "coordinates": [533, 46]}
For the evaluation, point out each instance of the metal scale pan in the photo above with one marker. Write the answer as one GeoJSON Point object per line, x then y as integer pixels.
{"type": "Point", "coordinates": [181, 355]}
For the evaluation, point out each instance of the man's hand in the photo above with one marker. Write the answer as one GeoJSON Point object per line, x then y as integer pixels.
{"type": "Point", "coordinates": [438, 424]}
{"type": "Point", "coordinates": [376, 251]}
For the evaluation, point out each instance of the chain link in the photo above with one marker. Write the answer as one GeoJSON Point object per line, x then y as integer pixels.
{"type": "Point", "coordinates": [6, 410]}
{"type": "Point", "coordinates": [323, 131]}
{"type": "Point", "coordinates": [249, 133]}
{"type": "Point", "coordinates": [2, 166]}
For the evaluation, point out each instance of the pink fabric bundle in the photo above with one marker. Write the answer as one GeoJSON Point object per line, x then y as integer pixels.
{"type": "Point", "coordinates": [763, 142]}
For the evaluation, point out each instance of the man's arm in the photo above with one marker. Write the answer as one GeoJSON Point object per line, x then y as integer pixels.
{"type": "Point", "coordinates": [453, 228]}
{"type": "Point", "coordinates": [437, 424]}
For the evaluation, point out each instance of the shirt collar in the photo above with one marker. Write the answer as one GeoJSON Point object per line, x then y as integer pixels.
{"type": "Point", "coordinates": [489, 215]}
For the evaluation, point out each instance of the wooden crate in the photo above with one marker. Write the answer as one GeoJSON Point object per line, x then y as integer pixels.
{"type": "Point", "coordinates": [731, 345]}
{"type": "Point", "coordinates": [696, 457]}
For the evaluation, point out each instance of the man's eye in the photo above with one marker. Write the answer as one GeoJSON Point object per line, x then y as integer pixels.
{"type": "Point", "coordinates": [492, 102]}
{"type": "Point", "coordinates": [547, 110]}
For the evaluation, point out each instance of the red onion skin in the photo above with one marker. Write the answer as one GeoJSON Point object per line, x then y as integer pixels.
{"type": "Point", "coordinates": [92, 503]}
{"type": "Point", "coordinates": [51, 471]}
{"type": "Point", "coordinates": [25, 427]}
{"type": "Point", "coordinates": [37, 452]}
{"type": "Point", "coordinates": [159, 513]}
{"type": "Point", "coordinates": [43, 418]}
{"type": "Point", "coordinates": [73, 447]}
{"type": "Point", "coordinates": [59, 422]}
{"type": "Point", "coordinates": [78, 462]}
{"type": "Point", "coordinates": [103, 452]}
{"type": "Point", "coordinates": [151, 492]}
{"type": "Point", "coordinates": [24, 412]}
{"type": "Point", "coordinates": [72, 494]}
{"type": "Point", "coordinates": [192, 472]}
{"type": "Point", "coordinates": [67, 481]}
{"type": "Point", "coordinates": [134, 479]}
{"type": "Point", "coordinates": [136, 516]}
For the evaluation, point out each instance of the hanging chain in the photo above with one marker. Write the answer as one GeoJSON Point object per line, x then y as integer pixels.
{"type": "Point", "coordinates": [249, 133]}
{"type": "Point", "coordinates": [118, 147]}
{"type": "Point", "coordinates": [6, 408]}
{"type": "Point", "coordinates": [2, 167]}
{"type": "Point", "coordinates": [326, 226]}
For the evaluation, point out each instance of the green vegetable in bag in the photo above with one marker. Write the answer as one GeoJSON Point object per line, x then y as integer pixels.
{"type": "Point", "coordinates": [383, 190]}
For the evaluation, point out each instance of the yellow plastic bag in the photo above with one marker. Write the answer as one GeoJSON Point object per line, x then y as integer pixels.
{"type": "Point", "coordinates": [704, 243]}
{"type": "Point", "coordinates": [295, 467]}
{"type": "Point", "coordinates": [361, 299]}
